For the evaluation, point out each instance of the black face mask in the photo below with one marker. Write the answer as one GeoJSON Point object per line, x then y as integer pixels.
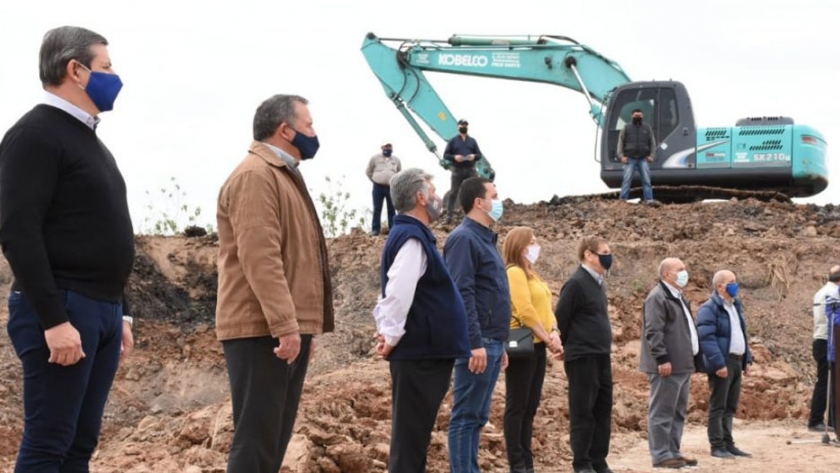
{"type": "Point", "coordinates": [463, 130]}
{"type": "Point", "coordinates": [637, 120]}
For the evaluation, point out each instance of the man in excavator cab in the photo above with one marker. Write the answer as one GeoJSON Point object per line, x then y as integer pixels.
{"type": "Point", "coordinates": [462, 151]}
{"type": "Point", "coordinates": [636, 150]}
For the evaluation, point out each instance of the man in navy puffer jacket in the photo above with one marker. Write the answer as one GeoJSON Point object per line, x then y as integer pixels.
{"type": "Point", "coordinates": [722, 329]}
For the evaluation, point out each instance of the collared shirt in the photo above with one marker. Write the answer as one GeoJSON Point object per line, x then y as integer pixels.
{"type": "Point", "coordinates": [820, 319]}
{"type": "Point", "coordinates": [286, 157]}
{"type": "Point", "coordinates": [737, 342]}
{"type": "Point", "coordinates": [55, 101]}
{"type": "Point", "coordinates": [695, 342]}
{"type": "Point", "coordinates": [390, 313]}
{"type": "Point", "coordinates": [598, 277]}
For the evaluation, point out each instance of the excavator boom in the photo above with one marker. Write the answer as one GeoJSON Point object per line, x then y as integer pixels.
{"type": "Point", "coordinates": [550, 59]}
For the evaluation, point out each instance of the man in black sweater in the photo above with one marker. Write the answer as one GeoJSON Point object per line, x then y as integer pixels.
{"type": "Point", "coordinates": [66, 232]}
{"type": "Point", "coordinates": [587, 338]}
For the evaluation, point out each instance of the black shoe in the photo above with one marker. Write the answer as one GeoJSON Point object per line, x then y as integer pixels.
{"type": "Point", "coordinates": [606, 469]}
{"type": "Point", "coordinates": [737, 451]}
{"type": "Point", "coordinates": [586, 470]}
{"type": "Point", "coordinates": [818, 427]}
{"type": "Point", "coordinates": [721, 453]}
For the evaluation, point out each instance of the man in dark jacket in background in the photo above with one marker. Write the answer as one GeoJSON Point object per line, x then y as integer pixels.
{"type": "Point", "coordinates": [462, 151]}
{"type": "Point", "coordinates": [669, 351]}
{"type": "Point", "coordinates": [587, 338]}
{"type": "Point", "coordinates": [636, 150]}
{"type": "Point", "coordinates": [722, 329]}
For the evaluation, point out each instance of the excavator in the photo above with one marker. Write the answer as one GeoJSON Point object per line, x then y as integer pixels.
{"type": "Point", "coordinates": [769, 158]}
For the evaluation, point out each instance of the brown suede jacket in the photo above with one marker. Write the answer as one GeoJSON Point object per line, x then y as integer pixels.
{"type": "Point", "coordinates": [274, 277]}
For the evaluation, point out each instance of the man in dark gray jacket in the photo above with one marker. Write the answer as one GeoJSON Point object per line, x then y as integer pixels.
{"type": "Point", "coordinates": [670, 347]}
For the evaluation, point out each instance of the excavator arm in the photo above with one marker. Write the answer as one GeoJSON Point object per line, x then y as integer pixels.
{"type": "Point", "coordinates": [554, 60]}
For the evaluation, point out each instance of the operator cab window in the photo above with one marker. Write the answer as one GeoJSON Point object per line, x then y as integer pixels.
{"type": "Point", "coordinates": [668, 115]}
{"type": "Point", "coordinates": [627, 101]}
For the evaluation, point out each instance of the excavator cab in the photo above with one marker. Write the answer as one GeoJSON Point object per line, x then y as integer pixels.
{"type": "Point", "coordinates": [769, 154]}
{"type": "Point", "coordinates": [667, 110]}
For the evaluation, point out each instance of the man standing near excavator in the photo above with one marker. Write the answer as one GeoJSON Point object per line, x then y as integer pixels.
{"type": "Point", "coordinates": [636, 149]}
{"type": "Point", "coordinates": [462, 151]}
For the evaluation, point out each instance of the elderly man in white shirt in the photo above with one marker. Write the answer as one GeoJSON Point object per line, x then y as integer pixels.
{"type": "Point", "coordinates": [722, 329]}
{"type": "Point", "coordinates": [669, 352]}
{"type": "Point", "coordinates": [420, 320]}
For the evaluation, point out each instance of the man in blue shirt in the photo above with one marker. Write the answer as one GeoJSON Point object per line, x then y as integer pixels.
{"type": "Point", "coordinates": [478, 270]}
{"type": "Point", "coordinates": [462, 151]}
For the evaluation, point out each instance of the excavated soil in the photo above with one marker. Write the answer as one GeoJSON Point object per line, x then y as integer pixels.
{"type": "Point", "coordinates": [169, 410]}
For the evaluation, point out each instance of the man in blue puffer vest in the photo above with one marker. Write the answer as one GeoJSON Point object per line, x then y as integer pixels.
{"type": "Point", "coordinates": [722, 329]}
{"type": "Point", "coordinates": [420, 319]}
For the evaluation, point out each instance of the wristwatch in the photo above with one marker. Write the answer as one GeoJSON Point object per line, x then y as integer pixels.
{"type": "Point", "coordinates": [129, 319]}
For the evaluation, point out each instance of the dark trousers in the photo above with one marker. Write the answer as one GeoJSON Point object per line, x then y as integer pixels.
{"type": "Point", "coordinates": [723, 403]}
{"type": "Point", "coordinates": [63, 405]}
{"type": "Point", "coordinates": [523, 388]}
{"type": "Point", "coordinates": [418, 387]}
{"type": "Point", "coordinates": [590, 410]}
{"type": "Point", "coordinates": [381, 193]}
{"type": "Point", "coordinates": [819, 399]}
{"type": "Point", "coordinates": [459, 175]}
{"type": "Point", "coordinates": [265, 393]}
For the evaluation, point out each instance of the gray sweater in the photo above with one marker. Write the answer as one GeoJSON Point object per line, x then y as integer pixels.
{"type": "Point", "coordinates": [666, 337]}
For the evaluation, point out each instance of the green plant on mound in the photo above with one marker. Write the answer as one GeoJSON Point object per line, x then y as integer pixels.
{"type": "Point", "coordinates": [337, 217]}
{"type": "Point", "coordinates": [167, 212]}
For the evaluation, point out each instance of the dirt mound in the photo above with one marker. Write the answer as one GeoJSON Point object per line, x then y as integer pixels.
{"type": "Point", "coordinates": [169, 410]}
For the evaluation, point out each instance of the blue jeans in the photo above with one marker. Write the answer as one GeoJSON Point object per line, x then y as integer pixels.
{"type": "Point", "coordinates": [471, 410]}
{"type": "Point", "coordinates": [644, 174]}
{"type": "Point", "coordinates": [380, 193]}
{"type": "Point", "coordinates": [63, 404]}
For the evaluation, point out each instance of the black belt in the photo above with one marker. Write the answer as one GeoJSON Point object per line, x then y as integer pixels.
{"type": "Point", "coordinates": [736, 357]}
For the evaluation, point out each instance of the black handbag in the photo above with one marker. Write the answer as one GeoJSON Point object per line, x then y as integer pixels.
{"type": "Point", "coordinates": [520, 342]}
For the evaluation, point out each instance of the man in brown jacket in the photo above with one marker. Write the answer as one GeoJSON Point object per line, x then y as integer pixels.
{"type": "Point", "coordinates": [274, 291]}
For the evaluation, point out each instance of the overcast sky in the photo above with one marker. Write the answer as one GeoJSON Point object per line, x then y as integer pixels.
{"type": "Point", "coordinates": [195, 71]}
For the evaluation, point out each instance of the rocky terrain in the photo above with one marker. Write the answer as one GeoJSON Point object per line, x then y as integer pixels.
{"type": "Point", "coordinates": [169, 410]}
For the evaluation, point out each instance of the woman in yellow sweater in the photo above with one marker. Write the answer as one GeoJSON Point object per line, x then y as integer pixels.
{"type": "Point", "coordinates": [531, 307]}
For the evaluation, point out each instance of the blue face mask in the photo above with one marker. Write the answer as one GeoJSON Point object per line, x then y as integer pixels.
{"type": "Point", "coordinates": [732, 289]}
{"type": "Point", "coordinates": [496, 211]}
{"type": "Point", "coordinates": [103, 88]}
{"type": "Point", "coordinates": [387, 152]}
{"type": "Point", "coordinates": [307, 145]}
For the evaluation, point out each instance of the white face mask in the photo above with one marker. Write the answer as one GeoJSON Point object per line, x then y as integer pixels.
{"type": "Point", "coordinates": [682, 278]}
{"type": "Point", "coordinates": [533, 253]}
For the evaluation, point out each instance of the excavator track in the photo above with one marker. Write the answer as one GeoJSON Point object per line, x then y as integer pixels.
{"type": "Point", "coordinates": [681, 195]}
